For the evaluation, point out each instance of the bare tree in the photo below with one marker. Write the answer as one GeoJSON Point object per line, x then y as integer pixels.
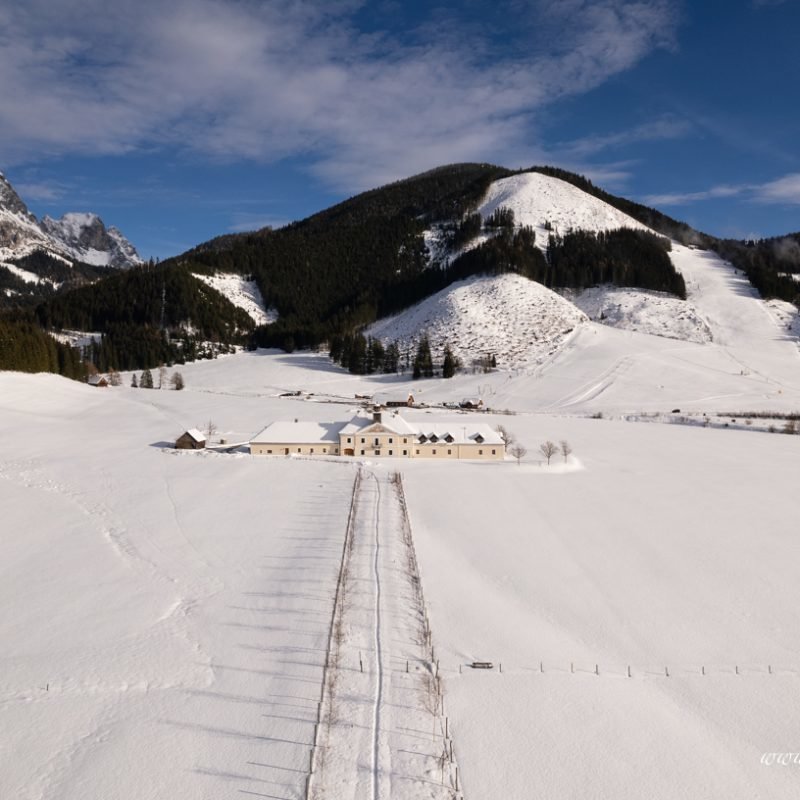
{"type": "Point", "coordinates": [565, 449]}
{"type": "Point", "coordinates": [211, 428]}
{"type": "Point", "coordinates": [114, 377]}
{"type": "Point", "coordinates": [548, 450]}
{"type": "Point", "coordinates": [518, 451]}
{"type": "Point", "coordinates": [177, 381]}
{"type": "Point", "coordinates": [505, 435]}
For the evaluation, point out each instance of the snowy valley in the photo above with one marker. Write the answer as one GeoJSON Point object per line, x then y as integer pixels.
{"type": "Point", "coordinates": [209, 623]}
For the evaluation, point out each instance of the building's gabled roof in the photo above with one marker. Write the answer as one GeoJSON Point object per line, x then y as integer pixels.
{"type": "Point", "coordinates": [97, 380]}
{"type": "Point", "coordinates": [195, 434]}
{"type": "Point", "coordinates": [299, 433]}
{"type": "Point", "coordinates": [391, 422]}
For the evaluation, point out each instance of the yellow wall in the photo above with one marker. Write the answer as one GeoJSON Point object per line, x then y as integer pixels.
{"type": "Point", "coordinates": [262, 449]}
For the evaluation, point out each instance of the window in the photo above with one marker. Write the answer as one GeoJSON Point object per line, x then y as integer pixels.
{"type": "Point", "coordinates": [405, 452]}
{"type": "Point", "coordinates": [449, 452]}
{"type": "Point", "coordinates": [348, 440]}
{"type": "Point", "coordinates": [311, 450]}
{"type": "Point", "coordinates": [434, 438]}
{"type": "Point", "coordinates": [377, 452]}
{"type": "Point", "coordinates": [448, 439]}
{"type": "Point", "coordinates": [299, 449]}
{"type": "Point", "coordinates": [494, 452]}
{"type": "Point", "coordinates": [405, 440]}
{"type": "Point", "coordinates": [391, 441]}
{"type": "Point", "coordinates": [480, 452]}
{"type": "Point", "coordinates": [269, 452]}
{"type": "Point", "coordinates": [479, 439]}
{"type": "Point", "coordinates": [362, 452]}
{"type": "Point", "coordinates": [377, 441]}
{"type": "Point", "coordinates": [417, 452]}
{"type": "Point", "coordinates": [422, 439]}
{"type": "Point", "coordinates": [433, 451]}
{"type": "Point", "coordinates": [391, 453]}
{"type": "Point", "coordinates": [324, 449]}
{"type": "Point", "coordinates": [363, 441]}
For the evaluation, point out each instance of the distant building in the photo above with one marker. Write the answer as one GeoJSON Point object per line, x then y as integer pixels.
{"type": "Point", "coordinates": [192, 439]}
{"type": "Point", "coordinates": [380, 435]}
{"type": "Point", "coordinates": [471, 402]}
{"type": "Point", "coordinates": [97, 380]}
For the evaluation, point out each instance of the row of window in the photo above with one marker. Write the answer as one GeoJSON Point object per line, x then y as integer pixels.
{"type": "Point", "coordinates": [376, 452]}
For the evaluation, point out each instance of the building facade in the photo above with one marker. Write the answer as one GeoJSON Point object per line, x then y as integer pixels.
{"type": "Point", "coordinates": [382, 435]}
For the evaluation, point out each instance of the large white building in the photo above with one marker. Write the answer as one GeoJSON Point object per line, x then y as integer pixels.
{"type": "Point", "coordinates": [380, 435]}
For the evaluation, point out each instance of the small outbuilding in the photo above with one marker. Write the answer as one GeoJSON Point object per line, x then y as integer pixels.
{"type": "Point", "coordinates": [192, 439]}
{"type": "Point", "coordinates": [97, 380]}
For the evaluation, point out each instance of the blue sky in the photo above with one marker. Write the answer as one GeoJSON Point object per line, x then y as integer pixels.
{"type": "Point", "coordinates": [181, 121]}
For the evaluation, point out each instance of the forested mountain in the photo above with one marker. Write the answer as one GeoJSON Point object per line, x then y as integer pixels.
{"type": "Point", "coordinates": [367, 257]}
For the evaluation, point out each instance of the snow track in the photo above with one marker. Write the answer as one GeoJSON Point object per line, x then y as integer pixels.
{"type": "Point", "coordinates": [382, 727]}
{"type": "Point", "coordinates": [376, 711]}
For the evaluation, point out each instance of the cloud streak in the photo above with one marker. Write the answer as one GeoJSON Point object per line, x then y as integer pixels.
{"type": "Point", "coordinates": [782, 191]}
{"type": "Point", "coordinates": [234, 79]}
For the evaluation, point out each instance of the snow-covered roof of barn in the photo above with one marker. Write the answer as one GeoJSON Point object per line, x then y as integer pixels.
{"type": "Point", "coordinates": [197, 435]}
{"type": "Point", "coordinates": [299, 433]}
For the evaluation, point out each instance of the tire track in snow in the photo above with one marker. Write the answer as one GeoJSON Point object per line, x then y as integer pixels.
{"type": "Point", "coordinates": [378, 700]}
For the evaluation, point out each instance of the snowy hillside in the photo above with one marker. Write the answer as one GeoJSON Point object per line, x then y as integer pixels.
{"type": "Point", "coordinates": [517, 320]}
{"type": "Point", "coordinates": [242, 293]}
{"type": "Point", "coordinates": [655, 313]}
{"type": "Point", "coordinates": [535, 199]}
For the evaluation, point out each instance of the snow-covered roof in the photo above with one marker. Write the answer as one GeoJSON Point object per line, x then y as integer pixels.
{"type": "Point", "coordinates": [298, 433]}
{"type": "Point", "coordinates": [197, 435]}
{"type": "Point", "coordinates": [391, 421]}
{"type": "Point", "coordinates": [96, 380]}
{"type": "Point", "coordinates": [462, 434]}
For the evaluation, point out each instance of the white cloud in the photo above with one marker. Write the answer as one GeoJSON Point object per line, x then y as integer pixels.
{"type": "Point", "coordinates": [782, 190]}
{"type": "Point", "coordinates": [266, 80]}
{"type": "Point", "coordinates": [667, 127]}
{"type": "Point", "coordinates": [683, 198]}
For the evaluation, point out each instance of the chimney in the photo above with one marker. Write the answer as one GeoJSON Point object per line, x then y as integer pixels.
{"type": "Point", "coordinates": [377, 414]}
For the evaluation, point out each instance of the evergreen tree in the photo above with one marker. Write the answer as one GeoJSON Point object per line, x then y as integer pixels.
{"type": "Point", "coordinates": [146, 381]}
{"type": "Point", "coordinates": [391, 359]}
{"type": "Point", "coordinates": [134, 382]}
{"type": "Point", "coordinates": [450, 363]}
{"type": "Point", "coordinates": [423, 363]}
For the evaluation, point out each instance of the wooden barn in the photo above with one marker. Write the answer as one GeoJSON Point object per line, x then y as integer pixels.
{"type": "Point", "coordinates": [192, 439]}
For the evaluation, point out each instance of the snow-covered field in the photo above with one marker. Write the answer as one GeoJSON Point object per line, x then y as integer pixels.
{"type": "Point", "coordinates": [166, 615]}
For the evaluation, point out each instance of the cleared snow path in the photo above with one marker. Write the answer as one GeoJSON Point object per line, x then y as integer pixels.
{"type": "Point", "coordinates": [383, 731]}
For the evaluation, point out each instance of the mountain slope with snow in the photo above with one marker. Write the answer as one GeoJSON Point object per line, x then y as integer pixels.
{"type": "Point", "coordinates": [538, 199]}
{"type": "Point", "coordinates": [517, 320]}
{"type": "Point", "coordinates": [85, 237]}
{"type": "Point", "coordinates": [242, 293]}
